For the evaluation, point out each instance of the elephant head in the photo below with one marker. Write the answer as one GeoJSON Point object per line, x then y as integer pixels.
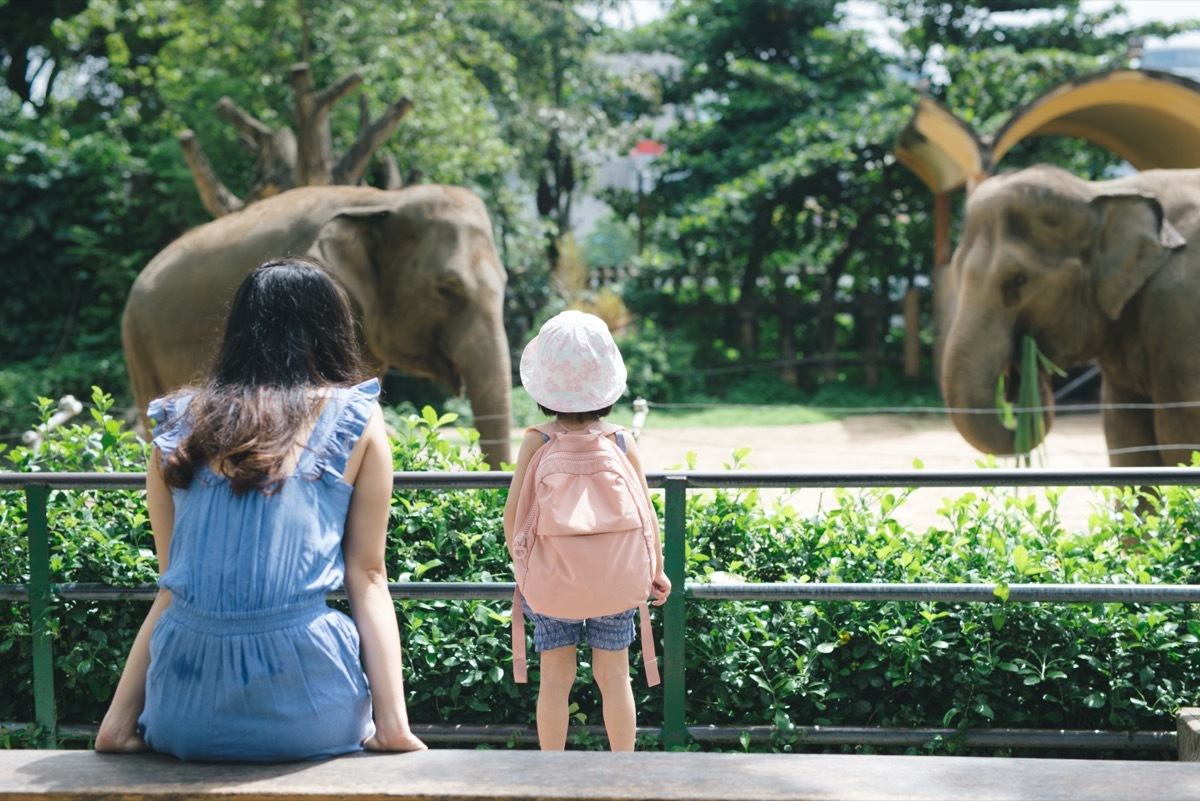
{"type": "Point", "coordinates": [419, 265]}
{"type": "Point", "coordinates": [423, 271]}
{"type": "Point", "coordinates": [1051, 256]}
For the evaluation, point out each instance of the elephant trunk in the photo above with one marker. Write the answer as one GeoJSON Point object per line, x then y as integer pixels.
{"type": "Point", "coordinates": [485, 367]}
{"type": "Point", "coordinates": [971, 367]}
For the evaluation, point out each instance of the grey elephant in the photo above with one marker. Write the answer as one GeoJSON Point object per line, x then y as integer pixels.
{"type": "Point", "coordinates": [1093, 271]}
{"type": "Point", "coordinates": [420, 266]}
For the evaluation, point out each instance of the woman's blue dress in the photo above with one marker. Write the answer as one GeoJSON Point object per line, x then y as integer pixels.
{"type": "Point", "coordinates": [248, 663]}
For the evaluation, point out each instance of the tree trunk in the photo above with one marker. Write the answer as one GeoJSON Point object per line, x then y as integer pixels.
{"type": "Point", "coordinates": [747, 303]}
{"type": "Point", "coordinates": [826, 309]}
{"type": "Point", "coordinates": [287, 158]}
{"type": "Point", "coordinates": [872, 311]}
{"type": "Point", "coordinates": [787, 339]}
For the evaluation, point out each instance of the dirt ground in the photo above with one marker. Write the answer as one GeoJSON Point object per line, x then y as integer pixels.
{"type": "Point", "coordinates": [875, 442]}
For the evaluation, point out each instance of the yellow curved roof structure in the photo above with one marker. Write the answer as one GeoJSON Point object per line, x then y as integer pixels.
{"type": "Point", "coordinates": [1149, 118]}
{"type": "Point", "coordinates": [940, 148]}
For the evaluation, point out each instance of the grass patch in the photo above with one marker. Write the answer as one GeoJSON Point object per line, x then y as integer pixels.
{"type": "Point", "coordinates": [831, 402]}
{"type": "Point", "coordinates": [725, 416]}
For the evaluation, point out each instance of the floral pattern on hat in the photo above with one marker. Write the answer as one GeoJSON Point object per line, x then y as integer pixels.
{"type": "Point", "coordinates": [573, 364]}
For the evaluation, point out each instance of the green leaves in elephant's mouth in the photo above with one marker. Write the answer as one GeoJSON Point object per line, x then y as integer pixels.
{"type": "Point", "coordinates": [1028, 417]}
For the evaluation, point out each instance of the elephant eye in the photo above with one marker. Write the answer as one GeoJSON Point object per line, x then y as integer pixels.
{"type": "Point", "coordinates": [450, 292]}
{"type": "Point", "coordinates": [1012, 288]}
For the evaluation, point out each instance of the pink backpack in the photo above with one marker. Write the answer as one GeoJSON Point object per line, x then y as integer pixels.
{"type": "Point", "coordinates": [585, 537]}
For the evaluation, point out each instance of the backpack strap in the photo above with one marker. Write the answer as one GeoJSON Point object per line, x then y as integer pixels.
{"type": "Point", "coordinates": [520, 669]}
{"type": "Point", "coordinates": [546, 429]}
{"type": "Point", "coordinates": [620, 435]}
{"type": "Point", "coordinates": [649, 659]}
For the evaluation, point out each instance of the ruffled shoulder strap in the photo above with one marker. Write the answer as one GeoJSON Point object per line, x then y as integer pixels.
{"type": "Point", "coordinates": [171, 422]}
{"type": "Point", "coordinates": [342, 424]}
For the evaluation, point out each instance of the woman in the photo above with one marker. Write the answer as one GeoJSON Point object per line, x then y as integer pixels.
{"type": "Point", "coordinates": [269, 486]}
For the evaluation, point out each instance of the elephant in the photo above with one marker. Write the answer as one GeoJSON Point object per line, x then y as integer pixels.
{"type": "Point", "coordinates": [420, 266]}
{"type": "Point", "coordinates": [1095, 272]}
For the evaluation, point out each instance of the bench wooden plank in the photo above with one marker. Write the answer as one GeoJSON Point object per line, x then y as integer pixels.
{"type": "Point", "coordinates": [1189, 734]}
{"type": "Point", "coordinates": [502, 775]}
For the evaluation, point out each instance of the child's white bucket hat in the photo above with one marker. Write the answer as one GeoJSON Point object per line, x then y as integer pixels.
{"type": "Point", "coordinates": [573, 365]}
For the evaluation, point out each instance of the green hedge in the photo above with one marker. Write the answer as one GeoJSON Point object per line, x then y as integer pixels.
{"type": "Point", "coordinates": [1074, 666]}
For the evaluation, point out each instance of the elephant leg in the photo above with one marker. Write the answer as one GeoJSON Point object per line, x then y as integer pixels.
{"type": "Point", "coordinates": [1129, 433]}
{"type": "Point", "coordinates": [1178, 428]}
{"type": "Point", "coordinates": [1131, 443]}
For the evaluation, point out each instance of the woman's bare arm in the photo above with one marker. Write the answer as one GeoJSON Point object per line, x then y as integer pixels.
{"type": "Point", "coordinates": [367, 588]}
{"type": "Point", "coordinates": [118, 731]}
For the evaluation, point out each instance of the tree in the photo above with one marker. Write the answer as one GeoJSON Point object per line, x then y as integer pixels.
{"type": "Point", "coordinates": [91, 179]}
{"type": "Point", "coordinates": [33, 57]}
{"type": "Point", "coordinates": [986, 66]}
{"type": "Point", "coordinates": [554, 99]}
{"type": "Point", "coordinates": [779, 187]}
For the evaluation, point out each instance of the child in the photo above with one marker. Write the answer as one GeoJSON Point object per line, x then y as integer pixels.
{"type": "Point", "coordinates": [269, 486]}
{"type": "Point", "coordinates": [574, 371]}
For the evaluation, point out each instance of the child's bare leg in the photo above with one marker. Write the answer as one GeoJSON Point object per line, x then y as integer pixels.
{"type": "Point", "coordinates": [611, 669]}
{"type": "Point", "coordinates": [558, 675]}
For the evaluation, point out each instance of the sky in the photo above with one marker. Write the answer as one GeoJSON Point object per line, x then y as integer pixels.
{"type": "Point", "coordinates": [868, 14]}
{"type": "Point", "coordinates": [639, 12]}
{"type": "Point", "coordinates": [1138, 11]}
{"type": "Point", "coordinates": [1150, 10]}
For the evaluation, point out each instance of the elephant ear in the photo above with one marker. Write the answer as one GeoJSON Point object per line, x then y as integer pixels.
{"type": "Point", "coordinates": [345, 244]}
{"type": "Point", "coordinates": [1134, 240]}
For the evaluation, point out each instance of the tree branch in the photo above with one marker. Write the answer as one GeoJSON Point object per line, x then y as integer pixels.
{"type": "Point", "coordinates": [286, 158]}
{"type": "Point", "coordinates": [253, 130]}
{"type": "Point", "coordinates": [325, 99]}
{"type": "Point", "coordinates": [312, 168]}
{"type": "Point", "coordinates": [353, 163]}
{"type": "Point", "coordinates": [217, 199]}
{"type": "Point", "coordinates": [275, 168]}
{"type": "Point", "coordinates": [391, 173]}
{"type": "Point", "coordinates": [314, 140]}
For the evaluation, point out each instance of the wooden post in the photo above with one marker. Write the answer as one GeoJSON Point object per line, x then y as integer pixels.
{"type": "Point", "coordinates": [912, 333]}
{"type": "Point", "coordinates": [943, 287]}
{"type": "Point", "coordinates": [827, 328]}
{"type": "Point", "coordinates": [871, 309]}
{"type": "Point", "coordinates": [1189, 734]}
{"type": "Point", "coordinates": [787, 339]}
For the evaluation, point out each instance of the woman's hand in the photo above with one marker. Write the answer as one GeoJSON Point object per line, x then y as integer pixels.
{"type": "Point", "coordinates": [126, 742]}
{"type": "Point", "coordinates": [401, 741]}
{"type": "Point", "coordinates": [660, 588]}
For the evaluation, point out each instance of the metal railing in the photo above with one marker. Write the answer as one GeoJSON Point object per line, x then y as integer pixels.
{"type": "Point", "coordinates": [40, 593]}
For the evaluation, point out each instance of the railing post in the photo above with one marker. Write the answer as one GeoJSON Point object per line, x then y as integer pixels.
{"type": "Point", "coordinates": [674, 614]}
{"type": "Point", "coordinates": [44, 712]}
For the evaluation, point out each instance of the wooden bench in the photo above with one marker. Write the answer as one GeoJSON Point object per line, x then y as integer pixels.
{"type": "Point", "coordinates": [1188, 740]}
{"type": "Point", "coordinates": [450, 774]}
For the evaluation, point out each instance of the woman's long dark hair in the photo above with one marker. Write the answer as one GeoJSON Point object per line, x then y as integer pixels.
{"type": "Point", "coordinates": [290, 331]}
